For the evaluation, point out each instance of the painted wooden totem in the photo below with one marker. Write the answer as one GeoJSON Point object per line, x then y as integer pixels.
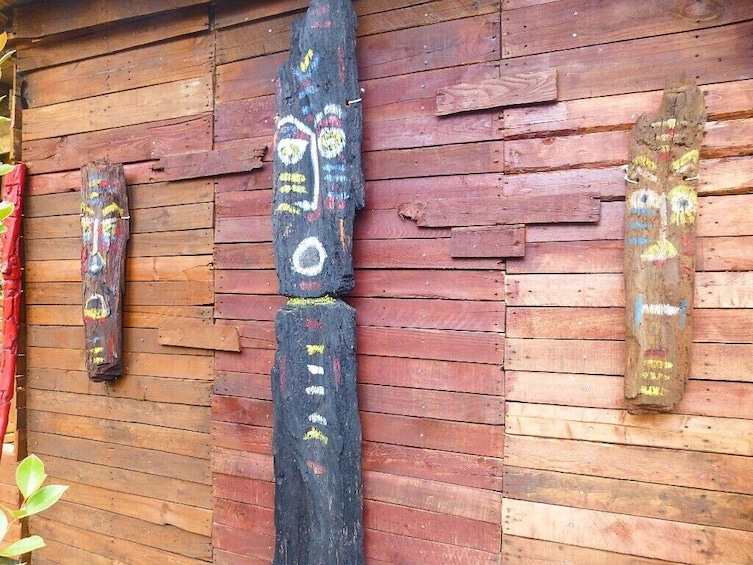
{"type": "Point", "coordinates": [13, 190]}
{"type": "Point", "coordinates": [318, 186]}
{"type": "Point", "coordinates": [660, 220]}
{"type": "Point", "coordinates": [105, 231]}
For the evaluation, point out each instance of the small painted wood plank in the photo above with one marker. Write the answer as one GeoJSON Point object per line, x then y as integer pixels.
{"type": "Point", "coordinates": [450, 212]}
{"type": "Point", "coordinates": [209, 163]}
{"type": "Point", "coordinates": [184, 333]}
{"type": "Point", "coordinates": [106, 228]}
{"type": "Point", "coordinates": [661, 209]}
{"type": "Point", "coordinates": [509, 90]}
{"type": "Point", "coordinates": [495, 241]}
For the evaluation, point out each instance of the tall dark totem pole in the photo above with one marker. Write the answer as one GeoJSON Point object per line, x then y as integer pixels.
{"type": "Point", "coordinates": [318, 186]}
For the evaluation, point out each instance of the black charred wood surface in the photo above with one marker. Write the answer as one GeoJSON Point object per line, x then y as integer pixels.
{"type": "Point", "coordinates": [105, 232]}
{"type": "Point", "coordinates": [318, 179]}
{"type": "Point", "coordinates": [317, 440]}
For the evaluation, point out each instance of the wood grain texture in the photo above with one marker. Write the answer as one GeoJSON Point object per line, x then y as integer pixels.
{"type": "Point", "coordinates": [510, 90]}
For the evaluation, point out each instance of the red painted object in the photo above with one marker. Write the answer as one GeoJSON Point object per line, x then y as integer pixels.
{"type": "Point", "coordinates": [13, 186]}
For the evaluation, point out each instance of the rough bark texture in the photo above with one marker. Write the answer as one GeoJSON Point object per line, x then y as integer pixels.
{"type": "Point", "coordinates": [317, 435]}
{"type": "Point", "coordinates": [13, 188]}
{"type": "Point", "coordinates": [660, 219]}
{"type": "Point", "coordinates": [318, 186]}
{"type": "Point", "coordinates": [318, 178]}
{"type": "Point", "coordinates": [105, 231]}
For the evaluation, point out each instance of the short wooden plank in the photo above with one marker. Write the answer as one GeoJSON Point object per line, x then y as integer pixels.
{"type": "Point", "coordinates": [139, 142]}
{"type": "Point", "coordinates": [527, 551]}
{"type": "Point", "coordinates": [488, 242]}
{"type": "Point", "coordinates": [38, 21]}
{"type": "Point", "coordinates": [678, 504]}
{"type": "Point", "coordinates": [710, 471]}
{"type": "Point", "coordinates": [149, 104]}
{"type": "Point", "coordinates": [393, 548]}
{"type": "Point", "coordinates": [452, 500]}
{"type": "Point", "coordinates": [480, 211]}
{"type": "Point", "coordinates": [114, 37]}
{"type": "Point", "coordinates": [606, 531]}
{"type": "Point", "coordinates": [432, 526]}
{"type": "Point", "coordinates": [437, 465]}
{"type": "Point", "coordinates": [209, 163]}
{"type": "Point", "coordinates": [508, 90]}
{"type": "Point", "coordinates": [160, 293]}
{"type": "Point", "coordinates": [185, 333]}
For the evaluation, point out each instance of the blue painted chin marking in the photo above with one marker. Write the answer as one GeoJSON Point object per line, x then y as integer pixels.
{"type": "Point", "coordinates": [643, 211]}
{"type": "Point", "coordinates": [637, 241]}
{"type": "Point", "coordinates": [639, 226]}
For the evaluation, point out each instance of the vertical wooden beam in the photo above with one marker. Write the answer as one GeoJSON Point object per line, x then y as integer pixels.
{"type": "Point", "coordinates": [105, 231]}
{"type": "Point", "coordinates": [13, 187]}
{"type": "Point", "coordinates": [660, 220]}
{"type": "Point", "coordinates": [318, 186]}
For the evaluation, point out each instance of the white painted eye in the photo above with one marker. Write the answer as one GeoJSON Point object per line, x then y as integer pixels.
{"type": "Point", "coordinates": [331, 142]}
{"type": "Point", "coordinates": [290, 151]}
{"type": "Point", "coordinates": [645, 202]}
{"type": "Point", "coordinates": [309, 257]}
{"type": "Point", "coordinates": [683, 202]}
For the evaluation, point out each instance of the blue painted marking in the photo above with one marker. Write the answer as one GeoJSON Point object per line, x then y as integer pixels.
{"type": "Point", "coordinates": [644, 211]}
{"type": "Point", "coordinates": [638, 311]}
{"type": "Point", "coordinates": [639, 226]}
{"type": "Point", "coordinates": [683, 313]}
{"type": "Point", "coordinates": [637, 241]}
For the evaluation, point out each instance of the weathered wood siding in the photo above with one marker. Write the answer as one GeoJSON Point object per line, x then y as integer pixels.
{"type": "Point", "coordinates": [490, 391]}
{"type": "Point", "coordinates": [584, 481]}
{"type": "Point", "coordinates": [134, 452]}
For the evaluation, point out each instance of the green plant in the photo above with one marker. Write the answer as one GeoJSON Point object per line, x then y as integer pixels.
{"type": "Point", "coordinates": [30, 476]}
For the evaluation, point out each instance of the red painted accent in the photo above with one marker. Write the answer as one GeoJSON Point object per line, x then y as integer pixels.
{"type": "Point", "coordinates": [316, 468]}
{"type": "Point", "coordinates": [312, 324]}
{"type": "Point", "coordinates": [656, 353]}
{"type": "Point", "coordinates": [337, 371]}
{"type": "Point", "coordinates": [13, 186]}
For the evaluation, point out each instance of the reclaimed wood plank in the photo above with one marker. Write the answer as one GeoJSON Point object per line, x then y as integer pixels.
{"type": "Point", "coordinates": [114, 37]}
{"type": "Point", "coordinates": [535, 520]}
{"type": "Point", "coordinates": [149, 104]}
{"type": "Point", "coordinates": [509, 90]}
{"type": "Point", "coordinates": [488, 242]}
{"type": "Point", "coordinates": [527, 551]}
{"type": "Point", "coordinates": [572, 24]}
{"type": "Point", "coordinates": [209, 163]}
{"type": "Point", "coordinates": [127, 144]}
{"type": "Point", "coordinates": [392, 547]}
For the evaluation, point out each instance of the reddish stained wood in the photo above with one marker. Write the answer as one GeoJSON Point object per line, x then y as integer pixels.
{"type": "Point", "coordinates": [488, 242]}
{"type": "Point", "coordinates": [185, 333]}
{"type": "Point", "coordinates": [572, 24]}
{"type": "Point", "coordinates": [527, 551]}
{"type": "Point", "coordinates": [402, 549]}
{"type": "Point", "coordinates": [575, 208]}
{"type": "Point", "coordinates": [13, 190]}
{"type": "Point", "coordinates": [509, 90]}
{"type": "Point", "coordinates": [209, 163]}
{"type": "Point", "coordinates": [139, 142]}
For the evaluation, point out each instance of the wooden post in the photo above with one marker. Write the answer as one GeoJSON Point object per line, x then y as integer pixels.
{"type": "Point", "coordinates": [318, 186]}
{"type": "Point", "coordinates": [660, 219]}
{"type": "Point", "coordinates": [13, 187]}
{"type": "Point", "coordinates": [105, 231]}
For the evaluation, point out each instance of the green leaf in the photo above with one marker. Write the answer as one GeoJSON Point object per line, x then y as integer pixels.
{"type": "Point", "coordinates": [5, 169]}
{"type": "Point", "coordinates": [24, 545]}
{"type": "Point", "coordinates": [30, 475]}
{"type": "Point", "coordinates": [4, 524]}
{"type": "Point", "coordinates": [4, 119]}
{"type": "Point", "coordinates": [6, 209]}
{"type": "Point", "coordinates": [7, 56]}
{"type": "Point", "coordinates": [44, 498]}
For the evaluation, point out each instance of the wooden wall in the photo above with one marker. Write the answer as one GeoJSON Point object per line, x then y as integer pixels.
{"type": "Point", "coordinates": [129, 85]}
{"type": "Point", "coordinates": [490, 390]}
